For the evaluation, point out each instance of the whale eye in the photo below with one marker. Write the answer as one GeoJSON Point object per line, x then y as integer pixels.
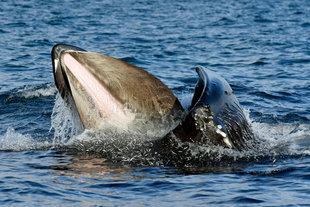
{"type": "Point", "coordinates": [226, 92]}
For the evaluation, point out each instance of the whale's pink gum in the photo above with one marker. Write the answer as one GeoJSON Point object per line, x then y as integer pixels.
{"type": "Point", "coordinates": [110, 107]}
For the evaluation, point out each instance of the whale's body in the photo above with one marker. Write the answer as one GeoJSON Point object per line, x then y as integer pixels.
{"type": "Point", "coordinates": [109, 93]}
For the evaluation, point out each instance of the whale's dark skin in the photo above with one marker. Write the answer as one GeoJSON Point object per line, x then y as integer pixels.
{"type": "Point", "coordinates": [215, 115]}
{"type": "Point", "coordinates": [110, 92]}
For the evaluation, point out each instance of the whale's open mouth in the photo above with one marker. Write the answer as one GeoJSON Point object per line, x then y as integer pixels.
{"type": "Point", "coordinates": [84, 86]}
{"type": "Point", "coordinates": [60, 76]}
{"type": "Point", "coordinates": [105, 89]}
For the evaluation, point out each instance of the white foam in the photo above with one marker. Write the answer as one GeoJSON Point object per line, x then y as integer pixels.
{"type": "Point", "coordinates": [32, 91]}
{"type": "Point", "coordinates": [277, 139]}
{"type": "Point", "coordinates": [283, 138]}
{"type": "Point", "coordinates": [15, 141]}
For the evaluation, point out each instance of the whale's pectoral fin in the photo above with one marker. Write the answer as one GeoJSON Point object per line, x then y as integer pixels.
{"type": "Point", "coordinates": [215, 115]}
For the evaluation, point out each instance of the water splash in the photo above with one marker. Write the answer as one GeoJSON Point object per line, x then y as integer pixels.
{"type": "Point", "coordinates": [33, 91]}
{"type": "Point", "coordinates": [65, 122]}
{"type": "Point", "coordinates": [14, 141]}
{"type": "Point", "coordinates": [140, 149]}
{"type": "Point", "coordinates": [284, 139]}
{"type": "Point", "coordinates": [134, 148]}
{"type": "Point", "coordinates": [186, 100]}
{"type": "Point", "coordinates": [126, 146]}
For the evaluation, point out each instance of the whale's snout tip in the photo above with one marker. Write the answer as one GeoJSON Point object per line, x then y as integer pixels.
{"type": "Point", "coordinates": [61, 80]}
{"type": "Point", "coordinates": [59, 48]}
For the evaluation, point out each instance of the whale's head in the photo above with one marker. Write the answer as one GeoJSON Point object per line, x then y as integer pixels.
{"type": "Point", "coordinates": [111, 94]}
{"type": "Point", "coordinates": [107, 91]}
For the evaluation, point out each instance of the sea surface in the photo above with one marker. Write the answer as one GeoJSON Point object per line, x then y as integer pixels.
{"type": "Point", "coordinates": [262, 48]}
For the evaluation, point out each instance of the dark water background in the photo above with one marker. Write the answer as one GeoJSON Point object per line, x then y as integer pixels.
{"type": "Point", "coordinates": [262, 48]}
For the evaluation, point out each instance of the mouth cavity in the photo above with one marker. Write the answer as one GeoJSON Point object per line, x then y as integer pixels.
{"type": "Point", "coordinates": [60, 77]}
{"type": "Point", "coordinates": [70, 74]}
{"type": "Point", "coordinates": [105, 102]}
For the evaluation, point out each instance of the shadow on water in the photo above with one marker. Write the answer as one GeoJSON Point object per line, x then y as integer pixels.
{"type": "Point", "coordinates": [88, 167]}
{"type": "Point", "coordinates": [81, 165]}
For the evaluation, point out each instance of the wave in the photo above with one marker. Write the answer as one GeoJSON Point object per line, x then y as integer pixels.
{"type": "Point", "coordinates": [285, 139]}
{"type": "Point", "coordinates": [277, 140]}
{"type": "Point", "coordinates": [33, 91]}
{"type": "Point", "coordinates": [14, 141]}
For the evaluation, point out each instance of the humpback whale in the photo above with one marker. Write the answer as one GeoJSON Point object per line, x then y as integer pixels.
{"type": "Point", "coordinates": [109, 93]}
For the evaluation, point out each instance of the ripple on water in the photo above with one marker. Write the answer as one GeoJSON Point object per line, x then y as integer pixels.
{"type": "Point", "coordinates": [260, 47]}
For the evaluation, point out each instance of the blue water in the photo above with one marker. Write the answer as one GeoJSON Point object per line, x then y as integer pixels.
{"type": "Point", "coordinates": [262, 48]}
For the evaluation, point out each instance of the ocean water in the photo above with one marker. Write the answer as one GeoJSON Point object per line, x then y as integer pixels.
{"type": "Point", "coordinates": [262, 48]}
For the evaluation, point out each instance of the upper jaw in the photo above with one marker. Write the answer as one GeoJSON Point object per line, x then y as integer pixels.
{"type": "Point", "coordinates": [58, 50]}
{"type": "Point", "coordinates": [60, 76]}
